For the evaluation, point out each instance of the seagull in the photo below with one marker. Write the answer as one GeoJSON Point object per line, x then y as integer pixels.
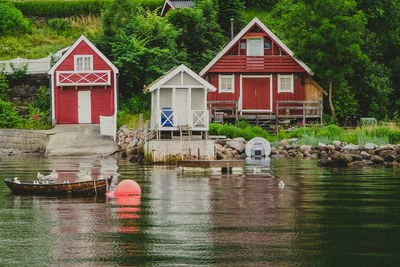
{"type": "Point", "coordinates": [52, 177]}
{"type": "Point", "coordinates": [281, 184]}
{"type": "Point", "coordinates": [16, 180]}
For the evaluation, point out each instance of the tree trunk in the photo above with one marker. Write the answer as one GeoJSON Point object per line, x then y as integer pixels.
{"type": "Point", "coordinates": [330, 101]}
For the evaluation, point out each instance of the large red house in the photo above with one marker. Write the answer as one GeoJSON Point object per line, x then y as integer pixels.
{"type": "Point", "coordinates": [83, 86]}
{"type": "Point", "coordinates": [256, 69]}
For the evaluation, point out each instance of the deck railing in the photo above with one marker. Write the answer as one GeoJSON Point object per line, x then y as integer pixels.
{"type": "Point", "coordinates": [33, 66]}
{"type": "Point", "coordinates": [199, 118]}
{"type": "Point", "coordinates": [299, 109]}
{"type": "Point", "coordinates": [91, 78]}
{"type": "Point", "coordinates": [228, 107]}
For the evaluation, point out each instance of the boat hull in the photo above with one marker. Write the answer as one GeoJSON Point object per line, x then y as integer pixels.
{"type": "Point", "coordinates": [90, 188]}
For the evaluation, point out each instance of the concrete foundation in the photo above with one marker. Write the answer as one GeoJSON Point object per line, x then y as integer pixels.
{"type": "Point", "coordinates": [163, 150]}
{"type": "Point", "coordinates": [24, 140]}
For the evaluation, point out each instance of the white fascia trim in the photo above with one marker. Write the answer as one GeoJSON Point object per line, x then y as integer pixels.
{"type": "Point", "coordinates": [240, 34]}
{"type": "Point", "coordinates": [232, 76]}
{"type": "Point", "coordinates": [182, 68]}
{"type": "Point", "coordinates": [165, 3]}
{"type": "Point", "coordinates": [72, 48]}
{"type": "Point", "coordinates": [53, 111]}
{"type": "Point", "coordinates": [291, 81]}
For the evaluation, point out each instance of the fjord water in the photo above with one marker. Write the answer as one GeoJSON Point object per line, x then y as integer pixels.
{"type": "Point", "coordinates": [322, 216]}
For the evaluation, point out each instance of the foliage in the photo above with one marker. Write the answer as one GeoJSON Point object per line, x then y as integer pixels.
{"type": "Point", "coordinates": [18, 72]}
{"type": "Point", "coordinates": [131, 120]}
{"type": "Point", "coordinates": [41, 101]}
{"type": "Point", "coordinates": [5, 90]}
{"type": "Point", "coordinates": [59, 24]}
{"type": "Point", "coordinates": [11, 20]}
{"type": "Point", "coordinates": [142, 47]}
{"type": "Point", "coordinates": [260, 3]}
{"type": "Point", "coordinates": [60, 9]}
{"type": "Point", "coordinates": [327, 35]}
{"type": "Point", "coordinates": [232, 131]}
{"type": "Point", "coordinates": [138, 103]}
{"type": "Point", "coordinates": [200, 35]}
{"type": "Point", "coordinates": [230, 9]}
{"type": "Point", "coordinates": [8, 115]}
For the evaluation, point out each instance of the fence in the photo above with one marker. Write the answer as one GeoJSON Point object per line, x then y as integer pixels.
{"type": "Point", "coordinates": [34, 66]}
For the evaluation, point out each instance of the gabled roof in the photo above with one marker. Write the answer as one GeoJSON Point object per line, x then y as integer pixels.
{"type": "Point", "coordinates": [174, 71]}
{"type": "Point", "coordinates": [91, 45]}
{"type": "Point", "coordinates": [255, 21]}
{"type": "Point", "coordinates": [177, 3]}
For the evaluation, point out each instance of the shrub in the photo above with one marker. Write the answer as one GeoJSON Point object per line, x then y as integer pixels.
{"type": "Point", "coordinates": [11, 20]}
{"type": "Point", "coordinates": [8, 115]}
{"type": "Point", "coordinates": [5, 90]}
{"type": "Point", "coordinates": [41, 101]}
{"type": "Point", "coordinates": [139, 103]}
{"type": "Point", "coordinates": [59, 24]}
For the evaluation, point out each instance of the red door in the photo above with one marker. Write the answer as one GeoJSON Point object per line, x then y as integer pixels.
{"type": "Point", "coordinates": [67, 106]}
{"type": "Point", "coordinates": [256, 93]}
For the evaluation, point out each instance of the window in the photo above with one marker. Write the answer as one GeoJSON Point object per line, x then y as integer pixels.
{"type": "Point", "coordinates": [285, 83]}
{"type": "Point", "coordinates": [242, 44]}
{"type": "Point", "coordinates": [83, 63]}
{"type": "Point", "coordinates": [254, 47]}
{"type": "Point", "coordinates": [226, 83]}
{"type": "Point", "coordinates": [267, 44]}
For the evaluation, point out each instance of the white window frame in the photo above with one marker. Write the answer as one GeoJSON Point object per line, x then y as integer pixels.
{"type": "Point", "coordinates": [261, 47]}
{"type": "Point", "coordinates": [76, 63]}
{"type": "Point", "coordinates": [291, 90]}
{"type": "Point", "coordinates": [232, 76]}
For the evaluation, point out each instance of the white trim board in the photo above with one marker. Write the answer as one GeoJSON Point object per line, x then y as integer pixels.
{"type": "Point", "coordinates": [240, 34]}
{"type": "Point", "coordinates": [171, 73]}
{"type": "Point", "coordinates": [270, 76]}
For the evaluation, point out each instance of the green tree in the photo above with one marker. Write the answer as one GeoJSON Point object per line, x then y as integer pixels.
{"type": "Point", "coordinates": [230, 9]}
{"type": "Point", "coordinates": [5, 90]}
{"type": "Point", "coordinates": [200, 35]}
{"type": "Point", "coordinates": [327, 35]}
{"type": "Point", "coordinates": [11, 20]}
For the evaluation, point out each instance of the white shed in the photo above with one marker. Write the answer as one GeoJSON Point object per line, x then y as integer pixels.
{"type": "Point", "coordinates": [179, 101]}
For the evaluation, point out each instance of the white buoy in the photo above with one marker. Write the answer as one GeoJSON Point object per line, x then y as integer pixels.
{"type": "Point", "coordinates": [281, 184]}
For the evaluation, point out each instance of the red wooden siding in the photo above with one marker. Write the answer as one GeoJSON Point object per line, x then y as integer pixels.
{"type": "Point", "coordinates": [66, 98]}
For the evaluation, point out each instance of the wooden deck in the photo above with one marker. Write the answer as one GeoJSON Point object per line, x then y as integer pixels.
{"type": "Point", "coordinates": [212, 163]}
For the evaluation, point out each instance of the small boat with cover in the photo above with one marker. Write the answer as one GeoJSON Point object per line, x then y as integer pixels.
{"type": "Point", "coordinates": [95, 187]}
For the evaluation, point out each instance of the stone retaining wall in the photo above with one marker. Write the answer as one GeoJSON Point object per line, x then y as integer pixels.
{"type": "Point", "coordinates": [23, 140]}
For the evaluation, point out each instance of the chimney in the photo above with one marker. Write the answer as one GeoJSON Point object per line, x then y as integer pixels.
{"type": "Point", "coordinates": [232, 28]}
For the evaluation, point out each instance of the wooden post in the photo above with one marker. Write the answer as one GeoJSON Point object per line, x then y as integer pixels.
{"type": "Point", "coordinates": [322, 108]}
{"type": "Point", "coordinates": [190, 153]}
{"type": "Point", "coordinates": [198, 153]}
{"type": "Point", "coordinates": [304, 115]}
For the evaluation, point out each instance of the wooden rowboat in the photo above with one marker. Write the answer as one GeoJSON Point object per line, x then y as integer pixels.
{"type": "Point", "coordinates": [97, 187]}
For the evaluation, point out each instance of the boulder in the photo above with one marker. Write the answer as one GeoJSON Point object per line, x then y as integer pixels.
{"type": "Point", "coordinates": [397, 148]}
{"type": "Point", "coordinates": [350, 147]}
{"type": "Point", "coordinates": [330, 147]}
{"type": "Point", "coordinates": [307, 154]}
{"type": "Point", "coordinates": [341, 159]}
{"type": "Point", "coordinates": [356, 164]}
{"type": "Point", "coordinates": [390, 156]}
{"type": "Point", "coordinates": [278, 156]}
{"type": "Point", "coordinates": [299, 156]}
{"type": "Point", "coordinates": [368, 162]}
{"type": "Point", "coordinates": [336, 143]}
{"type": "Point", "coordinates": [356, 157]}
{"type": "Point", "coordinates": [274, 151]}
{"type": "Point", "coordinates": [283, 142]}
{"type": "Point", "coordinates": [237, 145]}
{"type": "Point", "coordinates": [384, 153]}
{"type": "Point", "coordinates": [369, 146]}
{"type": "Point", "coordinates": [385, 147]}
{"type": "Point", "coordinates": [305, 148]}
{"type": "Point", "coordinates": [321, 146]}
{"type": "Point", "coordinates": [365, 155]}
{"type": "Point", "coordinates": [377, 159]}
{"type": "Point", "coordinates": [293, 140]}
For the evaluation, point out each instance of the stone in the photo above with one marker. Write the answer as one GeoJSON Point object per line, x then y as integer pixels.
{"type": "Point", "coordinates": [384, 153]}
{"type": "Point", "coordinates": [377, 159]}
{"type": "Point", "coordinates": [236, 144]}
{"type": "Point", "coordinates": [390, 156]}
{"type": "Point", "coordinates": [365, 155]}
{"type": "Point", "coordinates": [385, 147]}
{"type": "Point", "coordinates": [356, 157]}
{"type": "Point", "coordinates": [278, 156]}
{"type": "Point", "coordinates": [330, 147]}
{"type": "Point", "coordinates": [336, 143]}
{"type": "Point", "coordinates": [397, 148]}
{"type": "Point", "coordinates": [284, 153]}
{"type": "Point", "coordinates": [314, 156]}
{"type": "Point", "coordinates": [305, 148]}
{"type": "Point", "coordinates": [283, 142]}
{"type": "Point", "coordinates": [288, 147]}
{"type": "Point", "coordinates": [369, 146]}
{"type": "Point", "coordinates": [341, 159]}
{"type": "Point", "coordinates": [351, 147]}
{"type": "Point", "coordinates": [306, 154]}
{"type": "Point", "coordinates": [321, 146]}
{"type": "Point", "coordinates": [274, 151]}
{"type": "Point", "coordinates": [299, 156]}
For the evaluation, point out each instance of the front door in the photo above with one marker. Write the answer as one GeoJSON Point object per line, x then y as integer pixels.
{"type": "Point", "coordinates": [256, 93]}
{"type": "Point", "coordinates": [84, 107]}
{"type": "Point", "coordinates": [181, 106]}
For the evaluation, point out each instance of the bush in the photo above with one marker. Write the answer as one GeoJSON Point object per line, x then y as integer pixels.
{"type": "Point", "coordinates": [11, 20]}
{"type": "Point", "coordinates": [139, 103]}
{"type": "Point", "coordinates": [232, 131]}
{"type": "Point", "coordinates": [8, 115]}
{"type": "Point", "coordinates": [59, 24]}
{"type": "Point", "coordinates": [41, 101]}
{"type": "Point", "coordinates": [5, 90]}
{"type": "Point", "coordinates": [62, 9]}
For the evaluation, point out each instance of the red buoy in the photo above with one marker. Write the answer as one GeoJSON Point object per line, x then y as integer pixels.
{"type": "Point", "coordinates": [127, 188]}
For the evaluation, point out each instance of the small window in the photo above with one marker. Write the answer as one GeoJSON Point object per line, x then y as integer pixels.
{"type": "Point", "coordinates": [243, 44]}
{"type": "Point", "coordinates": [226, 83]}
{"type": "Point", "coordinates": [267, 44]}
{"type": "Point", "coordinates": [285, 83]}
{"type": "Point", "coordinates": [83, 63]}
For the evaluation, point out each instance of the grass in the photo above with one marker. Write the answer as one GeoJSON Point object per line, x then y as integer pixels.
{"type": "Point", "coordinates": [45, 39]}
{"type": "Point", "coordinates": [131, 120]}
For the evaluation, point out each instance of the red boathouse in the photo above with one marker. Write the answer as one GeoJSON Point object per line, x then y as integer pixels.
{"type": "Point", "coordinates": [260, 74]}
{"type": "Point", "coordinates": [84, 86]}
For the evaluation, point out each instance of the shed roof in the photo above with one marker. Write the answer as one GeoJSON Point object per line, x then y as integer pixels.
{"type": "Point", "coordinates": [253, 22]}
{"type": "Point", "coordinates": [177, 4]}
{"type": "Point", "coordinates": [174, 71]}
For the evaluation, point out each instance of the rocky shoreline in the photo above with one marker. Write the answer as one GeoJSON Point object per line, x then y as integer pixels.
{"type": "Point", "coordinates": [340, 154]}
{"type": "Point", "coordinates": [336, 154]}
